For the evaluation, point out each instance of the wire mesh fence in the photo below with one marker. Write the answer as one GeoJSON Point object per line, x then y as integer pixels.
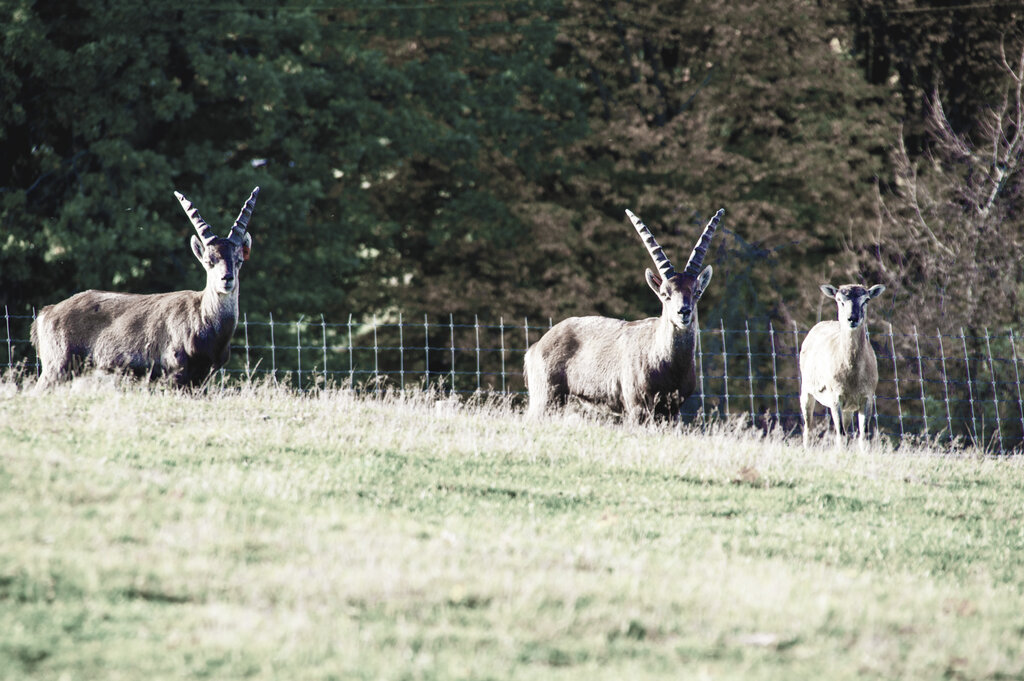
{"type": "Point", "coordinates": [940, 385]}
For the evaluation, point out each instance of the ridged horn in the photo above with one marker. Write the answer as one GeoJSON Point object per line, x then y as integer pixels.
{"type": "Point", "coordinates": [204, 230]}
{"type": "Point", "coordinates": [242, 223]}
{"type": "Point", "coordinates": [661, 260]}
{"type": "Point", "coordinates": [697, 256]}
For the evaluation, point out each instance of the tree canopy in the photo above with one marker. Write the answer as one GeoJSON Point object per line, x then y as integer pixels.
{"type": "Point", "coordinates": [471, 157]}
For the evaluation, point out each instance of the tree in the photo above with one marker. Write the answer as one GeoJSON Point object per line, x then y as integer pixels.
{"type": "Point", "coordinates": [948, 238]}
{"type": "Point", "coordinates": [386, 142]}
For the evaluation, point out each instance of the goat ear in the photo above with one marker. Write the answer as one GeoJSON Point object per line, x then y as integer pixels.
{"type": "Point", "coordinates": [829, 291]}
{"type": "Point", "coordinates": [876, 291]}
{"type": "Point", "coordinates": [246, 246]}
{"type": "Point", "coordinates": [704, 279]}
{"type": "Point", "coordinates": [654, 281]}
{"type": "Point", "coordinates": [197, 247]}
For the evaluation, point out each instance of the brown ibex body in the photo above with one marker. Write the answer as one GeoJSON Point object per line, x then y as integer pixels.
{"type": "Point", "coordinates": [184, 335]}
{"type": "Point", "coordinates": [837, 364]}
{"type": "Point", "coordinates": [636, 368]}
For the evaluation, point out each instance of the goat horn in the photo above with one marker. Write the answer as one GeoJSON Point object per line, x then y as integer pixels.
{"type": "Point", "coordinates": [242, 223]}
{"type": "Point", "coordinates": [697, 256]}
{"type": "Point", "coordinates": [204, 230]}
{"type": "Point", "coordinates": [661, 260]}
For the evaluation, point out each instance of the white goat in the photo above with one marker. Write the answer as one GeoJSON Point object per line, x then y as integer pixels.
{"type": "Point", "coordinates": [185, 335]}
{"type": "Point", "coordinates": [637, 368]}
{"type": "Point", "coordinates": [837, 363]}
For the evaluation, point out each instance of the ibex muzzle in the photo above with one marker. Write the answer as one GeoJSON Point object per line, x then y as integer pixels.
{"type": "Point", "coordinates": [637, 368]}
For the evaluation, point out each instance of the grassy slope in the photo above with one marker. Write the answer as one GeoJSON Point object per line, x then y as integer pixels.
{"type": "Point", "coordinates": [148, 535]}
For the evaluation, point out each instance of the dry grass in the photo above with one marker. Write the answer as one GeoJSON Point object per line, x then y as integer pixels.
{"type": "Point", "coordinates": [260, 533]}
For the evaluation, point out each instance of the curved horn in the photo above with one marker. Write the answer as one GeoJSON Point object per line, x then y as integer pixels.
{"type": "Point", "coordinates": [661, 260]}
{"type": "Point", "coordinates": [697, 256]}
{"type": "Point", "coordinates": [204, 230]}
{"type": "Point", "coordinates": [242, 223]}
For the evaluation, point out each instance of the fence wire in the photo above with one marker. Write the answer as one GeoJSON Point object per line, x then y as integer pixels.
{"type": "Point", "coordinates": [943, 386]}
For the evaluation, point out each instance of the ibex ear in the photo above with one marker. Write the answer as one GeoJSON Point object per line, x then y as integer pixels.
{"type": "Point", "coordinates": [829, 291]}
{"type": "Point", "coordinates": [876, 291]}
{"type": "Point", "coordinates": [654, 281]}
{"type": "Point", "coordinates": [703, 280]}
{"type": "Point", "coordinates": [246, 245]}
{"type": "Point", "coordinates": [197, 247]}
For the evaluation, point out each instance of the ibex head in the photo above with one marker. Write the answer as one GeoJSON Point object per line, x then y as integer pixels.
{"type": "Point", "coordinates": [222, 258]}
{"type": "Point", "coordinates": [678, 293]}
{"type": "Point", "coordinates": [852, 300]}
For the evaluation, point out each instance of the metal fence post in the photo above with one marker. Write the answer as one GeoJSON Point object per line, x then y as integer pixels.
{"type": "Point", "coordinates": [700, 375]}
{"type": "Point", "coordinates": [401, 353]}
{"type": "Point", "coordinates": [476, 326]}
{"type": "Point", "coordinates": [1016, 373]}
{"type": "Point", "coordinates": [10, 355]}
{"type": "Point", "coordinates": [995, 393]}
{"type": "Point", "coordinates": [245, 328]}
{"type": "Point", "coordinates": [775, 375]}
{"type": "Point", "coordinates": [298, 348]}
{"type": "Point", "coordinates": [501, 331]}
{"type": "Point", "coordinates": [920, 378]}
{"type": "Point", "coordinates": [750, 375]}
{"type": "Point", "coordinates": [970, 389]}
{"type": "Point", "coordinates": [945, 385]}
{"type": "Point", "coordinates": [725, 367]}
{"type": "Point", "coordinates": [451, 328]}
{"type": "Point", "coordinates": [273, 350]}
{"type": "Point", "coordinates": [323, 330]}
{"type": "Point", "coordinates": [896, 381]}
{"type": "Point", "coordinates": [426, 352]}
{"type": "Point", "coordinates": [376, 361]}
{"type": "Point", "coordinates": [351, 357]}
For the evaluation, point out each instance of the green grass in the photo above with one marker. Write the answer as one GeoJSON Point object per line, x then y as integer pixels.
{"type": "Point", "coordinates": [262, 534]}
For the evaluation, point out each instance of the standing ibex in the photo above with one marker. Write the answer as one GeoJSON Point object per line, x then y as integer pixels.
{"type": "Point", "coordinates": [837, 364]}
{"type": "Point", "coordinates": [636, 368]}
{"type": "Point", "coordinates": [185, 335]}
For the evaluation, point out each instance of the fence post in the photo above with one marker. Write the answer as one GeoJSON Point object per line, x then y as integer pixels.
{"type": "Point", "coordinates": [896, 381]}
{"type": "Point", "coordinates": [526, 332]}
{"type": "Point", "coordinates": [376, 362]}
{"type": "Point", "coordinates": [750, 376]}
{"type": "Point", "coordinates": [725, 368]}
{"type": "Point", "coordinates": [700, 374]}
{"type": "Point", "coordinates": [970, 388]}
{"type": "Point", "coordinates": [298, 348]}
{"type": "Point", "coordinates": [426, 352]}
{"type": "Point", "coordinates": [273, 350]}
{"type": "Point", "coordinates": [775, 375]}
{"type": "Point", "coordinates": [245, 328]}
{"type": "Point", "coordinates": [501, 330]}
{"type": "Point", "coordinates": [1016, 373]}
{"type": "Point", "coordinates": [351, 357]}
{"type": "Point", "coordinates": [920, 378]}
{"type": "Point", "coordinates": [995, 394]}
{"type": "Point", "coordinates": [10, 356]}
{"type": "Point", "coordinates": [476, 326]}
{"type": "Point", "coordinates": [451, 328]}
{"type": "Point", "coordinates": [323, 330]}
{"type": "Point", "coordinates": [401, 353]}
{"type": "Point", "coordinates": [945, 385]}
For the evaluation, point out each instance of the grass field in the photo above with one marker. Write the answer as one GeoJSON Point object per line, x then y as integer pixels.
{"type": "Point", "coordinates": [259, 533]}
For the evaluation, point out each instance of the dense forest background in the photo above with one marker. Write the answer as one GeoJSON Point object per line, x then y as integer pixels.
{"type": "Point", "coordinates": [477, 156]}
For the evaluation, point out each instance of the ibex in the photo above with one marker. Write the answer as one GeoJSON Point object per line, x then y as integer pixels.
{"type": "Point", "coordinates": [837, 364]}
{"type": "Point", "coordinates": [184, 335]}
{"type": "Point", "coordinates": [638, 368]}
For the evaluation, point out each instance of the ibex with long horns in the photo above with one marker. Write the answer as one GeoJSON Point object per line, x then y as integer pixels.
{"type": "Point", "coordinates": [184, 336]}
{"type": "Point", "coordinates": [838, 367]}
{"type": "Point", "coordinates": [635, 368]}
